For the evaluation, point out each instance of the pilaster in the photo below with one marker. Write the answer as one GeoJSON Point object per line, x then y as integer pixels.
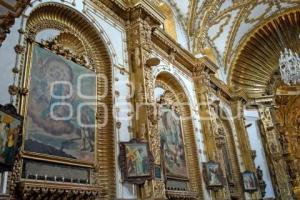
{"type": "Point", "coordinates": [202, 86]}
{"type": "Point", "coordinates": [275, 153]}
{"type": "Point", "coordinates": [237, 107]}
{"type": "Point", "coordinates": [145, 118]}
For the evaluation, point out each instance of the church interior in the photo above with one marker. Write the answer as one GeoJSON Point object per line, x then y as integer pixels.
{"type": "Point", "coordinates": [149, 99]}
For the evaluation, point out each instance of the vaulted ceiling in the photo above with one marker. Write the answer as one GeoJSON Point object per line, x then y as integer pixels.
{"type": "Point", "coordinates": [257, 62]}
{"type": "Point", "coordinates": [223, 24]}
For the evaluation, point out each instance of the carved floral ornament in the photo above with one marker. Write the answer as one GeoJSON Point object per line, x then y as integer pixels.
{"type": "Point", "coordinates": [57, 47]}
{"type": "Point", "coordinates": [168, 98]}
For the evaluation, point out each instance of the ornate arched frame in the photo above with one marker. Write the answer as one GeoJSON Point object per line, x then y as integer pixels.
{"type": "Point", "coordinates": [229, 117]}
{"type": "Point", "coordinates": [64, 18]}
{"type": "Point", "coordinates": [233, 154]}
{"type": "Point", "coordinates": [181, 101]}
{"type": "Point", "coordinates": [224, 118]}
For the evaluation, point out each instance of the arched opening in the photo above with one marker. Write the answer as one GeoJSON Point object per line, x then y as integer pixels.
{"type": "Point", "coordinates": [74, 44]}
{"type": "Point", "coordinates": [178, 145]}
{"type": "Point", "coordinates": [226, 151]}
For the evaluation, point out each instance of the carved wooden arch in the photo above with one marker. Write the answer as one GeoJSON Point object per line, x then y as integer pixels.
{"type": "Point", "coordinates": [69, 21]}
{"type": "Point", "coordinates": [181, 101]}
{"type": "Point", "coordinates": [223, 119]}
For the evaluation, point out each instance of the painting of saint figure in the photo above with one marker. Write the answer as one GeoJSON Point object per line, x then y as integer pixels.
{"type": "Point", "coordinates": [61, 107]}
{"type": "Point", "coordinates": [172, 144]}
{"type": "Point", "coordinates": [137, 160]}
{"type": "Point", "coordinates": [213, 174]}
{"type": "Point", "coordinates": [10, 127]}
{"type": "Point", "coordinates": [249, 181]}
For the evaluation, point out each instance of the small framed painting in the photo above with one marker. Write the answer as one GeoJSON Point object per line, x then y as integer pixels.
{"type": "Point", "coordinates": [249, 182]}
{"type": "Point", "coordinates": [10, 136]}
{"type": "Point", "coordinates": [136, 161]}
{"type": "Point", "coordinates": [213, 175]}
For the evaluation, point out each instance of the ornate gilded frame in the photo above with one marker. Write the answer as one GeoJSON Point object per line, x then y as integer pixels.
{"type": "Point", "coordinates": [50, 15]}
{"type": "Point", "coordinates": [247, 172]}
{"type": "Point", "coordinates": [10, 110]}
{"type": "Point", "coordinates": [209, 186]}
{"type": "Point", "coordinates": [44, 157]}
{"type": "Point", "coordinates": [139, 180]}
{"type": "Point", "coordinates": [177, 112]}
{"type": "Point", "coordinates": [177, 97]}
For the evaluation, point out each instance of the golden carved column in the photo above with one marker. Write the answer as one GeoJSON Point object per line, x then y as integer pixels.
{"type": "Point", "coordinates": [202, 87]}
{"type": "Point", "coordinates": [275, 154]}
{"type": "Point", "coordinates": [145, 118]}
{"type": "Point", "coordinates": [237, 107]}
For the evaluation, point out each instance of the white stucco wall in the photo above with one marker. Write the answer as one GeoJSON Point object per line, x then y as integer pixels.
{"type": "Point", "coordinates": [8, 60]}
{"type": "Point", "coordinates": [256, 144]}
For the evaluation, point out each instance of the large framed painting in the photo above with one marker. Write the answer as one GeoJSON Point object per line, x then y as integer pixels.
{"type": "Point", "coordinates": [213, 175]}
{"type": "Point", "coordinates": [61, 111]}
{"type": "Point", "coordinates": [10, 136]}
{"type": "Point", "coordinates": [136, 161]}
{"type": "Point", "coordinates": [172, 143]}
{"type": "Point", "coordinates": [249, 182]}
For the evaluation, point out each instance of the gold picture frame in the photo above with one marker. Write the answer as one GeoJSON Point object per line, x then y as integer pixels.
{"type": "Point", "coordinates": [213, 175]}
{"type": "Point", "coordinates": [136, 161]}
{"type": "Point", "coordinates": [249, 181]}
{"type": "Point", "coordinates": [24, 110]}
{"type": "Point", "coordinates": [10, 136]}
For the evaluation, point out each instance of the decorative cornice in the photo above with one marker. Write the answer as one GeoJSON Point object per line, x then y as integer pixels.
{"type": "Point", "coordinates": [145, 9]}
{"type": "Point", "coordinates": [239, 94]}
{"type": "Point", "coordinates": [181, 195]}
{"type": "Point", "coordinates": [181, 55]}
{"type": "Point", "coordinates": [45, 190]}
{"type": "Point", "coordinates": [166, 43]}
{"type": "Point", "coordinates": [221, 89]}
{"type": "Point", "coordinates": [206, 64]}
{"type": "Point", "coordinates": [141, 9]}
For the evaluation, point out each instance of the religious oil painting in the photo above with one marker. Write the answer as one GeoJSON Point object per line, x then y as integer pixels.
{"type": "Point", "coordinates": [137, 160]}
{"type": "Point", "coordinates": [61, 107]}
{"type": "Point", "coordinates": [213, 174]}
{"type": "Point", "coordinates": [172, 143]}
{"type": "Point", "coordinates": [249, 181]}
{"type": "Point", "coordinates": [10, 129]}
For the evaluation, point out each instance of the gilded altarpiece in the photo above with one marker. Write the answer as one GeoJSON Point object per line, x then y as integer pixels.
{"type": "Point", "coordinates": [178, 148]}
{"type": "Point", "coordinates": [61, 114]}
{"type": "Point", "coordinates": [172, 144]}
{"type": "Point", "coordinates": [226, 152]}
{"type": "Point", "coordinates": [145, 118]}
{"type": "Point", "coordinates": [72, 52]}
{"type": "Point", "coordinates": [275, 152]}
